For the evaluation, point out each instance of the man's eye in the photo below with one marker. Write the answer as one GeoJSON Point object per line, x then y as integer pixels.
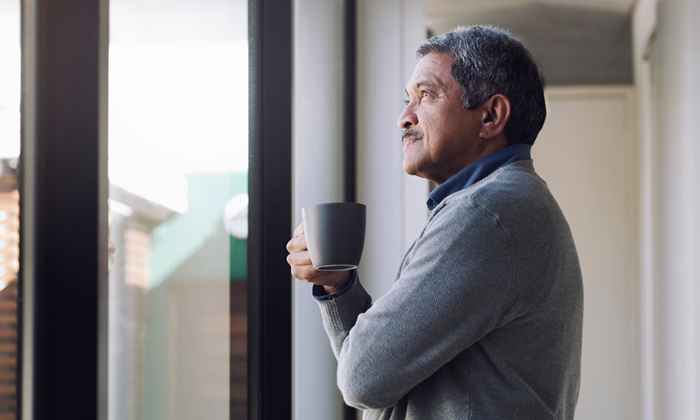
{"type": "Point", "coordinates": [424, 93]}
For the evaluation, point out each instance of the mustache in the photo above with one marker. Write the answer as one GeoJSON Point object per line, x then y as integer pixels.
{"type": "Point", "coordinates": [415, 134]}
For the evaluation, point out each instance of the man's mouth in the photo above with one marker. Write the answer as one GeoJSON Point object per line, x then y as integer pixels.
{"type": "Point", "coordinates": [410, 138]}
{"type": "Point", "coordinates": [409, 141]}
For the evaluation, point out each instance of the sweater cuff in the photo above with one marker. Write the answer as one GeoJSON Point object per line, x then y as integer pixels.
{"type": "Point", "coordinates": [340, 312]}
{"type": "Point", "coordinates": [320, 293]}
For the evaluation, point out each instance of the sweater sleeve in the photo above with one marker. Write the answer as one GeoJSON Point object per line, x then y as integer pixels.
{"type": "Point", "coordinates": [455, 288]}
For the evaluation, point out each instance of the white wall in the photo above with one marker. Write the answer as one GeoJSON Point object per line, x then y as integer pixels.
{"type": "Point", "coordinates": [669, 80]}
{"type": "Point", "coordinates": [388, 34]}
{"type": "Point", "coordinates": [587, 153]}
{"type": "Point", "coordinates": [643, 26]}
{"type": "Point", "coordinates": [318, 177]}
{"type": "Point", "coordinates": [615, 315]}
{"type": "Point", "coordinates": [414, 189]}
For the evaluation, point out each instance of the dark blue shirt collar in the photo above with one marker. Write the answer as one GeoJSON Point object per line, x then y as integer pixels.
{"type": "Point", "coordinates": [476, 171]}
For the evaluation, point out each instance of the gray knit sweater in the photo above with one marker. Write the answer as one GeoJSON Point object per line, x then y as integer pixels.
{"type": "Point", "coordinates": [483, 320]}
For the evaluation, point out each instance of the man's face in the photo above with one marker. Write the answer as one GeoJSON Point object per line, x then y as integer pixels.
{"type": "Point", "coordinates": [440, 135]}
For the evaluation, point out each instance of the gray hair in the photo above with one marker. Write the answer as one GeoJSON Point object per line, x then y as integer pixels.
{"type": "Point", "coordinates": [489, 61]}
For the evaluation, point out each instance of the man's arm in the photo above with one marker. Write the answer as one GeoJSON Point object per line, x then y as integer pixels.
{"type": "Point", "coordinates": [456, 288]}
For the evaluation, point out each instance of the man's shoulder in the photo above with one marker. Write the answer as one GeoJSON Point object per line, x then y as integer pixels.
{"type": "Point", "coordinates": [514, 194]}
{"type": "Point", "coordinates": [515, 184]}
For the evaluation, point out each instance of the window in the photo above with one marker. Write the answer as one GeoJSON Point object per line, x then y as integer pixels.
{"type": "Point", "coordinates": [173, 328]}
{"type": "Point", "coordinates": [178, 168]}
{"type": "Point", "coordinates": [9, 203]}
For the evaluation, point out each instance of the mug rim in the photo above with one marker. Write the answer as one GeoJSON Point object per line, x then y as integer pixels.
{"type": "Point", "coordinates": [336, 267]}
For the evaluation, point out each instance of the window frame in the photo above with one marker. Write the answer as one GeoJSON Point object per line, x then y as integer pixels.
{"type": "Point", "coordinates": [270, 215]}
{"type": "Point", "coordinates": [63, 228]}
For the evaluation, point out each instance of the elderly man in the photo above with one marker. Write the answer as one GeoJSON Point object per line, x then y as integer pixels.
{"type": "Point", "coordinates": [483, 321]}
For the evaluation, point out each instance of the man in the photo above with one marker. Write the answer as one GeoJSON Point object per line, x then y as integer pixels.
{"type": "Point", "coordinates": [484, 318]}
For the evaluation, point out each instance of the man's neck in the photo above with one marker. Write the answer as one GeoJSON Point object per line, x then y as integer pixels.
{"type": "Point", "coordinates": [486, 148]}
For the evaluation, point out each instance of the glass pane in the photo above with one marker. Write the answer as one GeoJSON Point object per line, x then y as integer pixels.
{"type": "Point", "coordinates": [9, 201]}
{"type": "Point", "coordinates": [178, 155]}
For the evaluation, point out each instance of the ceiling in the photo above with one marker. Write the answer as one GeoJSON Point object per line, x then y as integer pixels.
{"type": "Point", "coordinates": [575, 42]}
{"type": "Point", "coordinates": [442, 8]}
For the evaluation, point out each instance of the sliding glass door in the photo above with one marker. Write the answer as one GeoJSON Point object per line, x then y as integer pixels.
{"type": "Point", "coordinates": [178, 205]}
{"type": "Point", "coordinates": [156, 159]}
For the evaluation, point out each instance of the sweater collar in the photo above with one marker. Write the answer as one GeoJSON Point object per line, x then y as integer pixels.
{"type": "Point", "coordinates": [476, 171]}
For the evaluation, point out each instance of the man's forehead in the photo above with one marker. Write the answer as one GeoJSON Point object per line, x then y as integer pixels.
{"type": "Point", "coordinates": [432, 69]}
{"type": "Point", "coordinates": [427, 81]}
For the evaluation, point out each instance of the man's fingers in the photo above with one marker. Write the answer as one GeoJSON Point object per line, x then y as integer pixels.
{"type": "Point", "coordinates": [299, 229]}
{"type": "Point", "coordinates": [305, 272]}
{"type": "Point", "coordinates": [299, 258]}
{"type": "Point", "coordinates": [296, 244]}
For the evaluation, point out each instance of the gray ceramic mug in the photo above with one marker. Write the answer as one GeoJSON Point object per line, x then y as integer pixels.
{"type": "Point", "coordinates": [335, 235]}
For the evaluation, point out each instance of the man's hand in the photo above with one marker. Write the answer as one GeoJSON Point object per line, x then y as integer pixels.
{"type": "Point", "coordinates": [299, 260]}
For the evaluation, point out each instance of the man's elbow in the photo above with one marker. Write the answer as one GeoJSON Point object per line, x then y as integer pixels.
{"type": "Point", "coordinates": [366, 391]}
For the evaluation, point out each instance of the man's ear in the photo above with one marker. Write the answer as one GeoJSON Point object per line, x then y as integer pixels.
{"type": "Point", "coordinates": [495, 116]}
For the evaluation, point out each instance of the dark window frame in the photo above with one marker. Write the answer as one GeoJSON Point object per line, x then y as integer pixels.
{"type": "Point", "coordinates": [350, 123]}
{"type": "Point", "coordinates": [270, 214]}
{"type": "Point", "coordinates": [64, 195]}
{"type": "Point", "coordinates": [63, 229]}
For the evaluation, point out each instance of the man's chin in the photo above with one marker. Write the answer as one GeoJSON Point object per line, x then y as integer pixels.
{"type": "Point", "coordinates": [409, 168]}
{"type": "Point", "coordinates": [412, 170]}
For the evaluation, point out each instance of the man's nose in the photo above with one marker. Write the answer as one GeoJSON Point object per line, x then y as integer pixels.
{"type": "Point", "coordinates": [408, 118]}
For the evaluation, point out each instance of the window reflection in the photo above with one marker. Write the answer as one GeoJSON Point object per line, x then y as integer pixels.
{"type": "Point", "coordinates": [178, 153]}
